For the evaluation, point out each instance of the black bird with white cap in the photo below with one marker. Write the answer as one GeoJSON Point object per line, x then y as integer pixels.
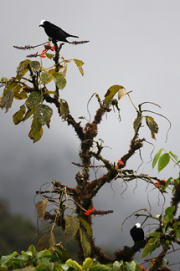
{"type": "Point", "coordinates": [137, 233]}
{"type": "Point", "coordinates": [55, 32]}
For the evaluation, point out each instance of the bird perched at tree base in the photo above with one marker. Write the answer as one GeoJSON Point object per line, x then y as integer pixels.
{"type": "Point", "coordinates": [137, 233]}
{"type": "Point", "coordinates": [55, 32]}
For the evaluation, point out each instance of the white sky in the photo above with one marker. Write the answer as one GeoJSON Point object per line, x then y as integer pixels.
{"type": "Point", "coordinates": [132, 43]}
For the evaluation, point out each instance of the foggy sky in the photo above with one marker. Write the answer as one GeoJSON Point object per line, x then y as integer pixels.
{"type": "Point", "coordinates": [132, 43]}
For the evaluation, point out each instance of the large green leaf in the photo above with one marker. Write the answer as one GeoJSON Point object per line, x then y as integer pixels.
{"type": "Point", "coordinates": [34, 99]}
{"type": "Point", "coordinates": [62, 254]}
{"type": "Point", "coordinates": [156, 157]}
{"type": "Point", "coordinates": [151, 245]}
{"type": "Point", "coordinates": [59, 80]}
{"type": "Point", "coordinates": [153, 127]}
{"type": "Point", "coordinates": [18, 116]}
{"type": "Point", "coordinates": [170, 210]}
{"type": "Point", "coordinates": [43, 113]}
{"type": "Point", "coordinates": [111, 92]}
{"type": "Point", "coordinates": [71, 227]}
{"type": "Point", "coordinates": [163, 161]}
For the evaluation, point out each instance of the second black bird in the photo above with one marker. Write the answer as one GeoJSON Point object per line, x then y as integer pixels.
{"type": "Point", "coordinates": [55, 32]}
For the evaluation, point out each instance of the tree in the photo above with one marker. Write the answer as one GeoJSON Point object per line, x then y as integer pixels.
{"type": "Point", "coordinates": [76, 220]}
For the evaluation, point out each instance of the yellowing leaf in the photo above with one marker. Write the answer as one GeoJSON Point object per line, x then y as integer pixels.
{"type": "Point", "coordinates": [85, 242]}
{"type": "Point", "coordinates": [86, 225]}
{"type": "Point", "coordinates": [6, 100]}
{"type": "Point", "coordinates": [152, 126]}
{"type": "Point", "coordinates": [64, 107]}
{"type": "Point", "coordinates": [121, 93]}
{"type": "Point", "coordinates": [18, 116]}
{"type": "Point", "coordinates": [74, 264]}
{"type": "Point", "coordinates": [46, 242]}
{"type": "Point", "coordinates": [46, 77]}
{"type": "Point", "coordinates": [36, 130]}
{"type": "Point", "coordinates": [111, 92]}
{"type": "Point", "coordinates": [71, 228]}
{"type": "Point", "coordinates": [23, 68]}
{"type": "Point", "coordinates": [41, 207]}
{"type": "Point", "coordinates": [79, 64]}
{"type": "Point", "coordinates": [137, 123]}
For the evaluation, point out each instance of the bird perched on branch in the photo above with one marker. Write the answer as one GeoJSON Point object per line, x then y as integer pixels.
{"type": "Point", "coordinates": [55, 32]}
{"type": "Point", "coordinates": [137, 233]}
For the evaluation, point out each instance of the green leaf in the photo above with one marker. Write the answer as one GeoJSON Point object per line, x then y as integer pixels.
{"type": "Point", "coordinates": [36, 65]}
{"type": "Point", "coordinates": [6, 260]}
{"type": "Point", "coordinates": [23, 68]}
{"type": "Point", "coordinates": [153, 127]}
{"type": "Point", "coordinates": [163, 161]}
{"type": "Point", "coordinates": [34, 99]}
{"type": "Point", "coordinates": [156, 157]}
{"type": "Point", "coordinates": [154, 234]}
{"type": "Point", "coordinates": [32, 249]}
{"type": "Point", "coordinates": [85, 242]}
{"type": "Point", "coordinates": [117, 265]}
{"type": "Point", "coordinates": [6, 100]}
{"type": "Point", "coordinates": [178, 234]}
{"type": "Point", "coordinates": [62, 254]}
{"type": "Point", "coordinates": [59, 80]}
{"type": "Point", "coordinates": [3, 79]}
{"type": "Point", "coordinates": [43, 113]}
{"type": "Point", "coordinates": [174, 156]}
{"type": "Point", "coordinates": [41, 207]}
{"type": "Point", "coordinates": [79, 64]}
{"type": "Point", "coordinates": [46, 77]}
{"type": "Point", "coordinates": [100, 267]}
{"type": "Point", "coordinates": [87, 264]}
{"type": "Point", "coordinates": [36, 130]}
{"type": "Point", "coordinates": [18, 116]}
{"type": "Point", "coordinates": [131, 266]}
{"type": "Point", "coordinates": [170, 210]}
{"type": "Point", "coordinates": [111, 92]}
{"type": "Point", "coordinates": [71, 227]}
{"type": "Point", "coordinates": [74, 264]}
{"type": "Point", "coordinates": [64, 107]}
{"type": "Point", "coordinates": [46, 242]}
{"type": "Point", "coordinates": [50, 56]}
{"type": "Point", "coordinates": [151, 245]}
{"type": "Point", "coordinates": [86, 225]}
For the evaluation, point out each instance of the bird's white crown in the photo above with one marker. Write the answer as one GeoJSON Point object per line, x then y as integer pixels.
{"type": "Point", "coordinates": [42, 22]}
{"type": "Point", "coordinates": [138, 225]}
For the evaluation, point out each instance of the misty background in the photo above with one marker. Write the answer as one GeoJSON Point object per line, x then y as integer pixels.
{"type": "Point", "coordinates": [132, 43]}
